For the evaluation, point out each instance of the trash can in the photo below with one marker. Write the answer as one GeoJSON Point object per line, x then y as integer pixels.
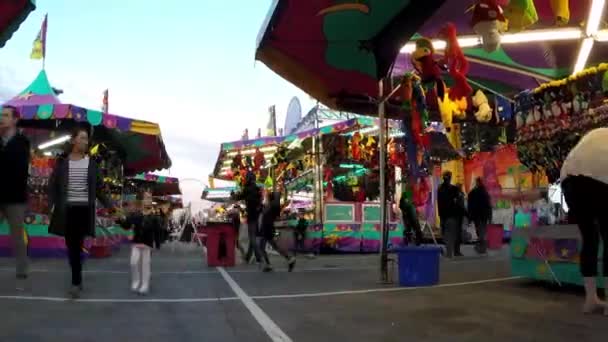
{"type": "Point", "coordinates": [418, 265]}
{"type": "Point", "coordinates": [221, 244]}
{"type": "Point", "coordinates": [494, 235]}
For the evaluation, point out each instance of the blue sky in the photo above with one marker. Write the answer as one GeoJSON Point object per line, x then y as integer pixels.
{"type": "Point", "coordinates": [189, 67]}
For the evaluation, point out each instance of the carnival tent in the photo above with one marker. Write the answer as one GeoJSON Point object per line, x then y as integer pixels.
{"type": "Point", "coordinates": [140, 141]}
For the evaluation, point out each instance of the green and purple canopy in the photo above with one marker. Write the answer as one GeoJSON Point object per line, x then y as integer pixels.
{"type": "Point", "coordinates": [141, 141]}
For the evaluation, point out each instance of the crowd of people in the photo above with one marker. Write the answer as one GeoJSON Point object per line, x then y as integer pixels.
{"type": "Point", "coordinates": [261, 215]}
{"type": "Point", "coordinates": [75, 186]}
{"type": "Point", "coordinates": [454, 208]}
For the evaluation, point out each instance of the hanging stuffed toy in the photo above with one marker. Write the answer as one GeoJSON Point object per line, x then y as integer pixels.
{"type": "Point", "coordinates": [423, 60]}
{"type": "Point", "coordinates": [355, 148]}
{"type": "Point", "coordinates": [258, 159]}
{"type": "Point", "coordinates": [328, 177]}
{"type": "Point", "coordinates": [489, 22]}
{"type": "Point", "coordinates": [561, 11]}
{"type": "Point", "coordinates": [521, 14]}
{"type": "Point", "coordinates": [393, 158]}
{"type": "Point", "coordinates": [484, 111]}
{"type": "Point", "coordinates": [458, 66]}
{"type": "Point", "coordinates": [237, 161]}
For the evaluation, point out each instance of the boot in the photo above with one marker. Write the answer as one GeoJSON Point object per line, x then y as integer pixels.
{"type": "Point", "coordinates": [592, 301]}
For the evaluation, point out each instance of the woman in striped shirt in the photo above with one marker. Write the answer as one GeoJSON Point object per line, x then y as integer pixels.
{"type": "Point", "coordinates": [74, 186]}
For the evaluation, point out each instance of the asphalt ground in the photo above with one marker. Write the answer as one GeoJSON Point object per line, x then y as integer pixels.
{"type": "Point", "coordinates": [329, 298]}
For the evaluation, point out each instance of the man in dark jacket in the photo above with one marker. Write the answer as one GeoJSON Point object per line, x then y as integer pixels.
{"type": "Point", "coordinates": [252, 195]}
{"type": "Point", "coordinates": [480, 212]}
{"type": "Point", "coordinates": [450, 215]}
{"type": "Point", "coordinates": [14, 173]}
{"type": "Point", "coordinates": [409, 215]}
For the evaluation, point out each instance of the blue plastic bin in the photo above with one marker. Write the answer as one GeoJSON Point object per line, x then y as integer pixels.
{"type": "Point", "coordinates": [418, 266]}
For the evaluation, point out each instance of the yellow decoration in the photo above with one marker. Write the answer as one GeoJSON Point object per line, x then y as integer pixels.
{"type": "Point", "coordinates": [484, 111]}
{"type": "Point", "coordinates": [520, 14]}
{"type": "Point", "coordinates": [452, 109]}
{"type": "Point", "coordinates": [602, 67]}
{"type": "Point", "coordinates": [561, 10]}
{"type": "Point", "coordinates": [145, 127]}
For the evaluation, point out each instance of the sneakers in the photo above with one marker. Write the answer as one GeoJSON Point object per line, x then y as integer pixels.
{"type": "Point", "coordinates": [291, 263]}
{"type": "Point", "coordinates": [21, 282]}
{"type": "Point", "coordinates": [75, 291]}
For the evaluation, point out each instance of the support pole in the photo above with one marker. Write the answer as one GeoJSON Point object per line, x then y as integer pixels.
{"type": "Point", "coordinates": [384, 276]}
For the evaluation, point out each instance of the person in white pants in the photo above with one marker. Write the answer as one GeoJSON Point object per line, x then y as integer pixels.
{"type": "Point", "coordinates": [140, 269]}
{"type": "Point", "coordinates": [147, 226]}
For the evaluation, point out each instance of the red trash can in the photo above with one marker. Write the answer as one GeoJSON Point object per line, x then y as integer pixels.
{"type": "Point", "coordinates": [494, 236]}
{"type": "Point", "coordinates": [221, 244]}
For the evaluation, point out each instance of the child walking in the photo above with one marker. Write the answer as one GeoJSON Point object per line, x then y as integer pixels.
{"type": "Point", "coordinates": [147, 226]}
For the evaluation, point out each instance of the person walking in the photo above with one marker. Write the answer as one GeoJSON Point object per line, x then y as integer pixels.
{"type": "Point", "coordinates": [450, 214]}
{"type": "Point", "coordinates": [147, 225]}
{"type": "Point", "coordinates": [480, 212]}
{"type": "Point", "coordinates": [73, 188]}
{"type": "Point", "coordinates": [584, 182]}
{"type": "Point", "coordinates": [14, 174]}
{"type": "Point", "coordinates": [266, 233]}
{"type": "Point", "coordinates": [300, 233]}
{"type": "Point", "coordinates": [409, 216]}
{"type": "Point", "coordinates": [252, 195]}
{"type": "Point", "coordinates": [234, 215]}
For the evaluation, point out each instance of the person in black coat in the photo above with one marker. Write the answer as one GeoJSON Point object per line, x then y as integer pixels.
{"type": "Point", "coordinates": [411, 223]}
{"type": "Point", "coordinates": [480, 212]}
{"type": "Point", "coordinates": [252, 195]}
{"type": "Point", "coordinates": [147, 226]}
{"type": "Point", "coordinates": [266, 233]}
{"type": "Point", "coordinates": [73, 188]}
{"type": "Point", "coordinates": [14, 173]}
{"type": "Point", "coordinates": [450, 214]}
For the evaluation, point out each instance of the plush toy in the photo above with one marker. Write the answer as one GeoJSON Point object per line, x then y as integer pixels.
{"type": "Point", "coordinates": [561, 10]}
{"type": "Point", "coordinates": [423, 61]}
{"type": "Point", "coordinates": [355, 148]}
{"type": "Point", "coordinates": [489, 22]}
{"type": "Point", "coordinates": [484, 111]}
{"type": "Point", "coordinates": [258, 159]}
{"type": "Point", "coordinates": [520, 14]}
{"type": "Point", "coordinates": [458, 66]}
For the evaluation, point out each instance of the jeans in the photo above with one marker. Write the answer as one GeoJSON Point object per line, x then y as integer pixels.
{"type": "Point", "coordinates": [585, 197]}
{"type": "Point", "coordinates": [452, 228]}
{"type": "Point", "coordinates": [252, 228]}
{"type": "Point", "coordinates": [481, 228]}
{"type": "Point", "coordinates": [15, 215]}
{"type": "Point", "coordinates": [77, 222]}
{"type": "Point", "coordinates": [262, 241]}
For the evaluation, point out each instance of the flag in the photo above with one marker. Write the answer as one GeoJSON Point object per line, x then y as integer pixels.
{"type": "Point", "coordinates": [104, 102]}
{"type": "Point", "coordinates": [39, 48]}
{"type": "Point", "coordinates": [271, 129]}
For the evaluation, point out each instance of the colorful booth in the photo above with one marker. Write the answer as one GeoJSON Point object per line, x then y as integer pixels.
{"type": "Point", "coordinates": [122, 147]}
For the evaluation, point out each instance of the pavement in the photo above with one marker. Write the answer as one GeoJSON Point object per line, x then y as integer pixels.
{"type": "Point", "coordinates": [330, 298]}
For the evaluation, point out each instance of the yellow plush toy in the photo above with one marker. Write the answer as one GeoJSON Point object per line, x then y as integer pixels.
{"type": "Point", "coordinates": [561, 10]}
{"type": "Point", "coordinates": [484, 111]}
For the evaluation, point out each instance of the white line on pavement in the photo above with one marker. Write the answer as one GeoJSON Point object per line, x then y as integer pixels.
{"type": "Point", "coordinates": [223, 299]}
{"type": "Point", "coordinates": [272, 329]}
{"type": "Point", "coordinates": [384, 289]}
{"type": "Point", "coordinates": [119, 300]}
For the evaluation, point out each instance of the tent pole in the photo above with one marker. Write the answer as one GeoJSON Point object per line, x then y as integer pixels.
{"type": "Point", "coordinates": [384, 277]}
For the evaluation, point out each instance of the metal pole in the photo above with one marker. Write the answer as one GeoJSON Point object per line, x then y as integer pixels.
{"type": "Point", "coordinates": [384, 277]}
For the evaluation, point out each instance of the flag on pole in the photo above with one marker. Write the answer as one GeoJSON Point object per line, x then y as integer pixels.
{"type": "Point", "coordinates": [104, 102]}
{"type": "Point", "coordinates": [271, 129]}
{"type": "Point", "coordinates": [39, 48]}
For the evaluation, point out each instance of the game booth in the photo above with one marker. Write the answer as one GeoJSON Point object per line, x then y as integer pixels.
{"type": "Point", "coordinates": [550, 120]}
{"type": "Point", "coordinates": [121, 146]}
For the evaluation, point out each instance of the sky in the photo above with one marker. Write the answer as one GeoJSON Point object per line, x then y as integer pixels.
{"type": "Point", "coordinates": [187, 65]}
